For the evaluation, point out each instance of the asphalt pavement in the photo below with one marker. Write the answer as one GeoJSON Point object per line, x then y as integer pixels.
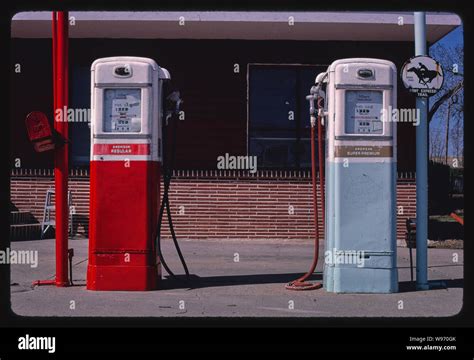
{"type": "Point", "coordinates": [253, 286]}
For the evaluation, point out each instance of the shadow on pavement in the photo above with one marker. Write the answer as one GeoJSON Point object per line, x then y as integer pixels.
{"type": "Point", "coordinates": [410, 286]}
{"type": "Point", "coordinates": [197, 282]}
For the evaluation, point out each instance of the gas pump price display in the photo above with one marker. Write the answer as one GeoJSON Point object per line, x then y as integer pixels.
{"type": "Point", "coordinates": [363, 112]}
{"type": "Point", "coordinates": [122, 110]}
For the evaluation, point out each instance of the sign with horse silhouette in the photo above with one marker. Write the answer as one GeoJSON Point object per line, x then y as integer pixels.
{"type": "Point", "coordinates": [422, 75]}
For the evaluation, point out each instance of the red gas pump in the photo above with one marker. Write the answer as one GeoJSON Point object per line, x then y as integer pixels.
{"type": "Point", "coordinates": [125, 173]}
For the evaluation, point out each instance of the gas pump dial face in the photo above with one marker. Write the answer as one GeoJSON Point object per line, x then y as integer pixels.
{"type": "Point", "coordinates": [122, 110]}
{"type": "Point", "coordinates": [363, 112]}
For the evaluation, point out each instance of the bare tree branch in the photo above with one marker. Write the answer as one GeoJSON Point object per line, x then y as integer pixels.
{"type": "Point", "coordinates": [443, 98]}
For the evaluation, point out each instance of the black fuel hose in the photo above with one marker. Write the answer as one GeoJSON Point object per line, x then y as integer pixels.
{"type": "Point", "coordinates": [167, 175]}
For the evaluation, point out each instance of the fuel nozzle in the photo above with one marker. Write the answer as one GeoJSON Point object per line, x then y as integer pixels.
{"type": "Point", "coordinates": [313, 94]}
{"type": "Point", "coordinates": [316, 93]}
{"type": "Point", "coordinates": [173, 104]}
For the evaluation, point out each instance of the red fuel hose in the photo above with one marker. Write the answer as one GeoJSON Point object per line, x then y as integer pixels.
{"type": "Point", "coordinates": [301, 283]}
{"type": "Point", "coordinates": [321, 161]}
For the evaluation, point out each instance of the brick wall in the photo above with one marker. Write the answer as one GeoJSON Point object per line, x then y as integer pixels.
{"type": "Point", "coordinates": [215, 204]}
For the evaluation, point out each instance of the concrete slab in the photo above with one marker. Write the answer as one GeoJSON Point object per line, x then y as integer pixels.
{"type": "Point", "coordinates": [253, 286]}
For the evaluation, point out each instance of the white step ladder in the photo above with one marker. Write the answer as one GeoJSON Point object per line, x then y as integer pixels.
{"type": "Point", "coordinates": [49, 220]}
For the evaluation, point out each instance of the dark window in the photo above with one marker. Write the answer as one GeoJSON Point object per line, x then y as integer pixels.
{"type": "Point", "coordinates": [279, 127]}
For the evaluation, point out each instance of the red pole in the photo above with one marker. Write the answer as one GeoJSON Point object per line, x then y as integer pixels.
{"type": "Point", "coordinates": [54, 32]}
{"type": "Point", "coordinates": [61, 166]}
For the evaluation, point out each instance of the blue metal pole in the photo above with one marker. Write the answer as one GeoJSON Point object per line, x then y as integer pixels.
{"type": "Point", "coordinates": [421, 167]}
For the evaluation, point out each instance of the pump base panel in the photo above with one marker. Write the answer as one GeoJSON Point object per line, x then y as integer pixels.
{"type": "Point", "coordinates": [361, 280]}
{"type": "Point", "coordinates": [361, 227]}
{"type": "Point", "coordinates": [123, 221]}
{"type": "Point", "coordinates": [123, 278]}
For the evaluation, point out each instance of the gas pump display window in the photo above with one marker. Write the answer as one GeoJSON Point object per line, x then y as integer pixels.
{"type": "Point", "coordinates": [363, 113]}
{"type": "Point", "coordinates": [122, 110]}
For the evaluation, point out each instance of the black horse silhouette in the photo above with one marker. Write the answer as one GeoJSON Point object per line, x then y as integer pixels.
{"type": "Point", "coordinates": [425, 76]}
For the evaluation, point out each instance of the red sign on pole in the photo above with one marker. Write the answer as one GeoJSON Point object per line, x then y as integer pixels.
{"type": "Point", "coordinates": [39, 131]}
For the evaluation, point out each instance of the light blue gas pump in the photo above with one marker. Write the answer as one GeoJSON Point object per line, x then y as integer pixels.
{"type": "Point", "coordinates": [360, 218]}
